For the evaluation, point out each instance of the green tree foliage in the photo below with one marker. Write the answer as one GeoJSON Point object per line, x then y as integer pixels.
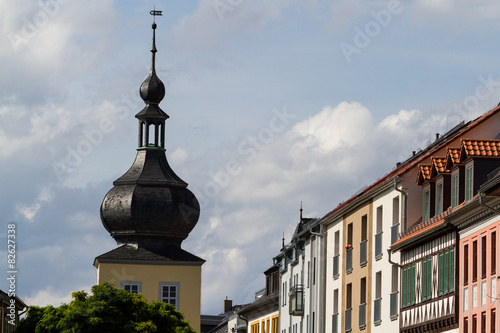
{"type": "Point", "coordinates": [107, 310]}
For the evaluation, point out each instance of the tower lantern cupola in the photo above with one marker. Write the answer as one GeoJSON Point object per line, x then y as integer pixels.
{"type": "Point", "coordinates": [150, 206]}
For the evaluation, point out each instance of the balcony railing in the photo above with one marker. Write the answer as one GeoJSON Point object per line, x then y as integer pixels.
{"type": "Point", "coordinates": [348, 260]}
{"type": "Point", "coordinates": [378, 245]}
{"type": "Point", "coordinates": [394, 233]}
{"type": "Point", "coordinates": [362, 315]}
{"type": "Point", "coordinates": [394, 304]}
{"type": "Point", "coordinates": [377, 311]}
{"type": "Point", "coordinates": [336, 265]}
{"type": "Point", "coordinates": [335, 323]}
{"type": "Point", "coordinates": [348, 326]}
{"type": "Point", "coordinates": [362, 252]}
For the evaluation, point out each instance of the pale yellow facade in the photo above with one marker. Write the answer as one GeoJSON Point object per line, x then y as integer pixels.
{"type": "Point", "coordinates": [151, 276]}
{"type": "Point", "coordinates": [359, 270]}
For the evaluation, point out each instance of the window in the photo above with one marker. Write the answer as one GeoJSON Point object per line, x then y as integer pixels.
{"type": "Point", "coordinates": [468, 186]}
{"type": "Point", "coordinates": [426, 206]}
{"type": "Point", "coordinates": [466, 325]}
{"type": "Point", "coordinates": [254, 328]}
{"type": "Point", "coordinates": [395, 220]}
{"type": "Point", "coordinates": [348, 296]}
{"type": "Point", "coordinates": [474, 324]}
{"type": "Point", "coordinates": [493, 321]}
{"type": "Point", "coordinates": [493, 242]}
{"type": "Point", "coordinates": [335, 317]}
{"type": "Point", "coordinates": [308, 273]}
{"type": "Point", "coordinates": [336, 256]}
{"type": "Point", "coordinates": [378, 235]}
{"type": "Point", "coordinates": [446, 278]}
{"type": "Point", "coordinates": [364, 241]}
{"type": "Point", "coordinates": [466, 264]}
{"type": "Point", "coordinates": [378, 298]}
{"type": "Point", "coordinates": [275, 325]}
{"type": "Point", "coordinates": [314, 271]}
{"type": "Point", "coordinates": [284, 294]}
{"type": "Point", "coordinates": [394, 292]}
{"type": "Point", "coordinates": [483, 322]}
{"type": "Point", "coordinates": [483, 257]}
{"type": "Point", "coordinates": [169, 293]}
{"type": "Point", "coordinates": [439, 199]}
{"type": "Point", "coordinates": [474, 261]}
{"type": "Point", "coordinates": [132, 287]}
{"type": "Point", "coordinates": [454, 191]}
{"type": "Point", "coordinates": [408, 286]}
{"type": "Point", "coordinates": [426, 279]}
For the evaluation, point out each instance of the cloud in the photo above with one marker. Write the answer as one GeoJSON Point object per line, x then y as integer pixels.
{"type": "Point", "coordinates": [29, 212]}
{"type": "Point", "coordinates": [215, 20]}
{"type": "Point", "coordinates": [321, 161]}
{"type": "Point", "coordinates": [51, 296]}
{"type": "Point", "coordinates": [476, 16]}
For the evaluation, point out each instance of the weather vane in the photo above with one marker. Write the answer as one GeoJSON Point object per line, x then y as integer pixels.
{"type": "Point", "coordinates": [155, 13]}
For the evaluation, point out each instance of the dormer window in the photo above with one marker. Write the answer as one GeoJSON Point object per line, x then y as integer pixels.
{"type": "Point", "coordinates": [439, 199]}
{"type": "Point", "coordinates": [468, 184]}
{"type": "Point", "coordinates": [454, 191]}
{"type": "Point", "coordinates": [427, 205]}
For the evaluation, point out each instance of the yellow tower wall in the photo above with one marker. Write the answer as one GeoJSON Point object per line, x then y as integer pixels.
{"type": "Point", "coordinates": [150, 276]}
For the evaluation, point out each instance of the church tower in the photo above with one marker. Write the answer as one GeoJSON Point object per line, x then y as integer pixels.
{"type": "Point", "coordinates": [149, 212]}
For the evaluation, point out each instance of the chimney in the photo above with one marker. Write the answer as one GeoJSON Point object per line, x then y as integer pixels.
{"type": "Point", "coordinates": [228, 305]}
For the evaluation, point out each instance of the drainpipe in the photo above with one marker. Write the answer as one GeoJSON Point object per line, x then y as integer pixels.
{"type": "Point", "coordinates": [481, 196]}
{"type": "Point", "coordinates": [390, 260]}
{"type": "Point", "coordinates": [403, 219]}
{"type": "Point", "coordinates": [322, 301]}
{"type": "Point", "coordinates": [242, 318]}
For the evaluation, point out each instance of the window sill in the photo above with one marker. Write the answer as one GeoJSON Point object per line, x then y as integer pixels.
{"type": "Point", "coordinates": [378, 257]}
{"type": "Point", "coordinates": [378, 322]}
{"type": "Point", "coordinates": [363, 264]}
{"type": "Point", "coordinates": [361, 328]}
{"type": "Point", "coordinates": [335, 277]}
{"type": "Point", "coordinates": [348, 271]}
{"type": "Point", "coordinates": [394, 317]}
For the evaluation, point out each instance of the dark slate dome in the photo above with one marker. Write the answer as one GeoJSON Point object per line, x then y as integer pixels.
{"type": "Point", "coordinates": [152, 89]}
{"type": "Point", "coordinates": [150, 206]}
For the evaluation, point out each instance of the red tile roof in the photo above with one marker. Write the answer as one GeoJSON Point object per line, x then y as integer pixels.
{"type": "Point", "coordinates": [439, 164]}
{"type": "Point", "coordinates": [452, 157]}
{"type": "Point", "coordinates": [424, 173]}
{"type": "Point", "coordinates": [479, 148]}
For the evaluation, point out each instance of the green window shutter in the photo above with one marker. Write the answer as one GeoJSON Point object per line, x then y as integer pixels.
{"type": "Point", "coordinates": [440, 275]}
{"type": "Point", "coordinates": [424, 285]}
{"type": "Point", "coordinates": [412, 284]}
{"type": "Point", "coordinates": [429, 278]}
{"type": "Point", "coordinates": [452, 270]}
{"type": "Point", "coordinates": [445, 278]}
{"type": "Point", "coordinates": [403, 294]}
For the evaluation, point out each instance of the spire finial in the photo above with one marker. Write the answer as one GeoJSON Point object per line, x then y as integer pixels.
{"type": "Point", "coordinates": [283, 241]}
{"type": "Point", "coordinates": [301, 210]}
{"type": "Point", "coordinates": [155, 13]}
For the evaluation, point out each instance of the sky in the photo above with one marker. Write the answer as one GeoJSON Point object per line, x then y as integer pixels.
{"type": "Point", "coordinates": [271, 103]}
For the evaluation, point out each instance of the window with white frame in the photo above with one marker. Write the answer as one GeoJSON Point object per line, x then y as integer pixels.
{"type": "Point", "coordinates": [439, 199]}
{"type": "Point", "coordinates": [454, 191]}
{"type": "Point", "coordinates": [427, 206]}
{"type": "Point", "coordinates": [133, 287]}
{"type": "Point", "coordinates": [169, 293]}
{"type": "Point", "coordinates": [468, 184]}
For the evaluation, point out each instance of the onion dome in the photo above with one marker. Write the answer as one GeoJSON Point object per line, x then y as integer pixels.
{"type": "Point", "coordinates": [150, 206]}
